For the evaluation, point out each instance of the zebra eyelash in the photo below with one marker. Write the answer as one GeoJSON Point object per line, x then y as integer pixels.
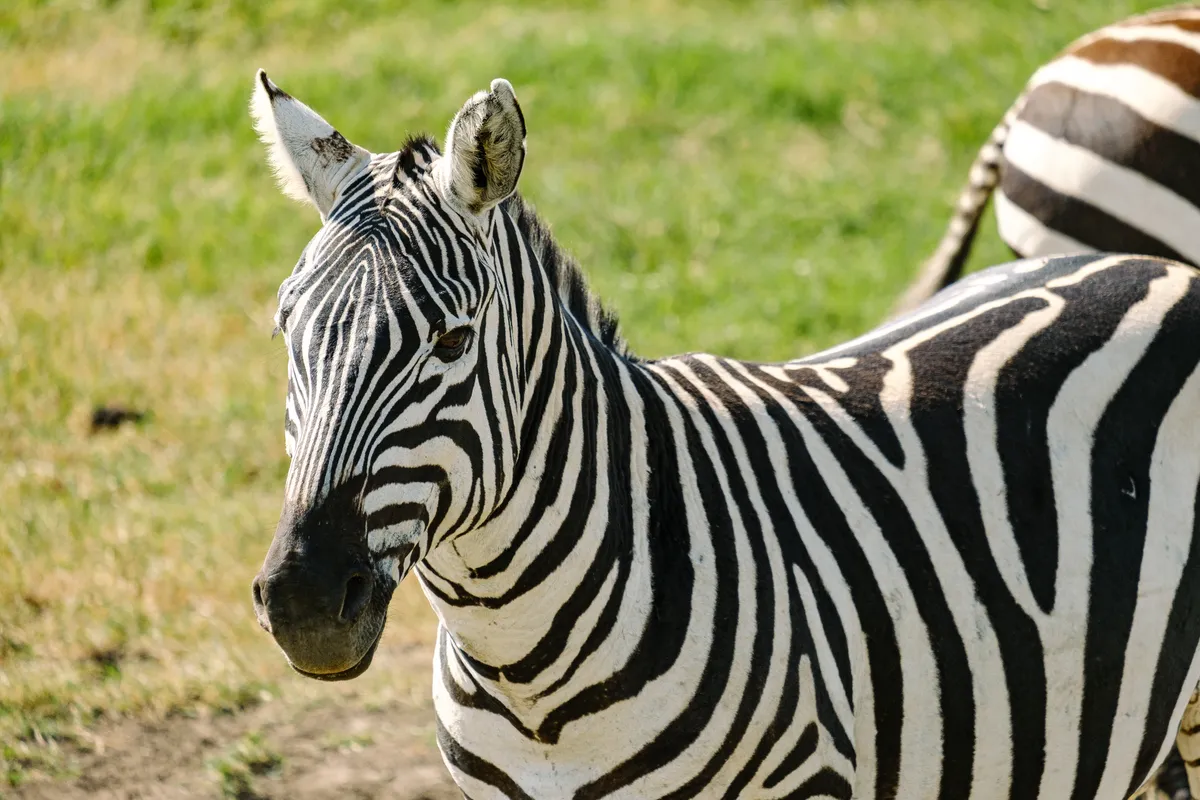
{"type": "Point", "coordinates": [277, 330]}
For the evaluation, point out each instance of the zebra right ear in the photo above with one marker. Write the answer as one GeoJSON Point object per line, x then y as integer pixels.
{"type": "Point", "coordinates": [485, 150]}
{"type": "Point", "coordinates": [310, 158]}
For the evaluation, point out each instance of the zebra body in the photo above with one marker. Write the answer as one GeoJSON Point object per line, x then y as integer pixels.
{"type": "Point", "coordinates": [1101, 152]}
{"type": "Point", "coordinates": [929, 562]}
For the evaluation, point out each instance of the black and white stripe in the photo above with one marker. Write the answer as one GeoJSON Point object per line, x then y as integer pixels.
{"type": "Point", "coordinates": [1101, 152]}
{"type": "Point", "coordinates": [956, 557]}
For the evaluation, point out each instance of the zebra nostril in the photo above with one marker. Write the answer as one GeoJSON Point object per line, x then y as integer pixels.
{"type": "Point", "coordinates": [358, 594]}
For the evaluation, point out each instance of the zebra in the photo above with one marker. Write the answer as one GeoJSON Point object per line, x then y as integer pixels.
{"type": "Point", "coordinates": [1100, 152]}
{"type": "Point", "coordinates": [931, 561]}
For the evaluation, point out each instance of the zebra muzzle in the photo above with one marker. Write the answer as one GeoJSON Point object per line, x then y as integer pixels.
{"type": "Point", "coordinates": [319, 595]}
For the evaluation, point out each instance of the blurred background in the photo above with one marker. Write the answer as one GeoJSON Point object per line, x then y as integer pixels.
{"type": "Point", "coordinates": [756, 179]}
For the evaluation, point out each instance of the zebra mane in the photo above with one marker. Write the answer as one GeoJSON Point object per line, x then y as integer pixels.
{"type": "Point", "coordinates": [564, 272]}
{"type": "Point", "coordinates": [561, 269]}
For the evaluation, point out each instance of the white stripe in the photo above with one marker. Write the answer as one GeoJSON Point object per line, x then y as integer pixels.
{"type": "Point", "coordinates": [981, 428]}
{"type": "Point", "coordinates": [637, 597]}
{"type": "Point", "coordinates": [1122, 193]}
{"type": "Point", "coordinates": [833, 580]}
{"type": "Point", "coordinates": [769, 695]}
{"type": "Point", "coordinates": [625, 725]}
{"type": "Point", "coordinates": [992, 764]}
{"type": "Point", "coordinates": [1154, 33]}
{"type": "Point", "coordinates": [1153, 97]}
{"type": "Point", "coordinates": [921, 734]}
{"type": "Point", "coordinates": [833, 680]}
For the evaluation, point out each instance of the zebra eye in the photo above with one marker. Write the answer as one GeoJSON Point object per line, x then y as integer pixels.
{"type": "Point", "coordinates": [452, 344]}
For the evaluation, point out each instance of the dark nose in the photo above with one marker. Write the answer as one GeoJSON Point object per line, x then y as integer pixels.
{"type": "Point", "coordinates": [298, 594]}
{"type": "Point", "coordinates": [316, 592]}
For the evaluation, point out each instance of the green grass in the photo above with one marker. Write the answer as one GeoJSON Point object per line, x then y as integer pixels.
{"type": "Point", "coordinates": [248, 758]}
{"type": "Point", "coordinates": [758, 179]}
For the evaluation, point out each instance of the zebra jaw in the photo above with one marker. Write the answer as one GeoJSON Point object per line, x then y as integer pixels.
{"type": "Point", "coordinates": [394, 567]}
{"type": "Point", "coordinates": [347, 674]}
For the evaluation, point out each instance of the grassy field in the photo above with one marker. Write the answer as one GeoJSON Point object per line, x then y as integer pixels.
{"type": "Point", "coordinates": [757, 179]}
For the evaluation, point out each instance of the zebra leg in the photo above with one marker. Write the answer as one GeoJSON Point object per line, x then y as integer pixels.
{"type": "Point", "coordinates": [1179, 776]}
{"type": "Point", "coordinates": [1171, 780]}
{"type": "Point", "coordinates": [1187, 744]}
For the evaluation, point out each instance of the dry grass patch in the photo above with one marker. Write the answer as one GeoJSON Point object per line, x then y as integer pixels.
{"type": "Point", "coordinates": [129, 552]}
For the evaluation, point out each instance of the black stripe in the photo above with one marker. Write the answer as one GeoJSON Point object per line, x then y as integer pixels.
{"type": "Point", "coordinates": [940, 367]}
{"type": "Point", "coordinates": [796, 554]}
{"type": "Point", "coordinates": [763, 647]}
{"type": "Point", "coordinates": [1027, 387]}
{"type": "Point", "coordinates": [583, 496]}
{"type": "Point", "coordinates": [784, 526]}
{"type": "Point", "coordinates": [470, 764]}
{"type": "Point", "coordinates": [825, 783]}
{"type": "Point", "coordinates": [619, 534]}
{"type": "Point", "coordinates": [863, 400]}
{"type": "Point", "coordinates": [492, 396]}
{"type": "Point", "coordinates": [1077, 218]}
{"type": "Point", "coordinates": [883, 652]}
{"type": "Point", "coordinates": [561, 440]}
{"type": "Point", "coordinates": [510, 250]}
{"type": "Point", "coordinates": [681, 731]}
{"type": "Point", "coordinates": [672, 576]}
{"type": "Point", "coordinates": [1118, 134]}
{"type": "Point", "coordinates": [899, 530]}
{"type": "Point", "coordinates": [803, 750]}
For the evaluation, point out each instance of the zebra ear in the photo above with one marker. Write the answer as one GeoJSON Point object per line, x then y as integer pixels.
{"type": "Point", "coordinates": [311, 160]}
{"type": "Point", "coordinates": [485, 150]}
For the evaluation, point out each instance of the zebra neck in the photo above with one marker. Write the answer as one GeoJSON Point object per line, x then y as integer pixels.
{"type": "Point", "coordinates": [556, 565]}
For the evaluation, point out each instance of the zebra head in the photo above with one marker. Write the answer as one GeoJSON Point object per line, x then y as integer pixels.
{"type": "Point", "coordinates": [403, 383]}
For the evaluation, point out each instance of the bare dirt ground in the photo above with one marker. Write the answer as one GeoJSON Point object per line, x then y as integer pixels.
{"type": "Point", "coordinates": [328, 745]}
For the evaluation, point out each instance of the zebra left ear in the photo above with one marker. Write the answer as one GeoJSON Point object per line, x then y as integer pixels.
{"type": "Point", "coordinates": [485, 150]}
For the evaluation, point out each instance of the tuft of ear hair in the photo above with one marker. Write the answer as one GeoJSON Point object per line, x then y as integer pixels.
{"type": "Point", "coordinates": [311, 160]}
{"type": "Point", "coordinates": [485, 150]}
